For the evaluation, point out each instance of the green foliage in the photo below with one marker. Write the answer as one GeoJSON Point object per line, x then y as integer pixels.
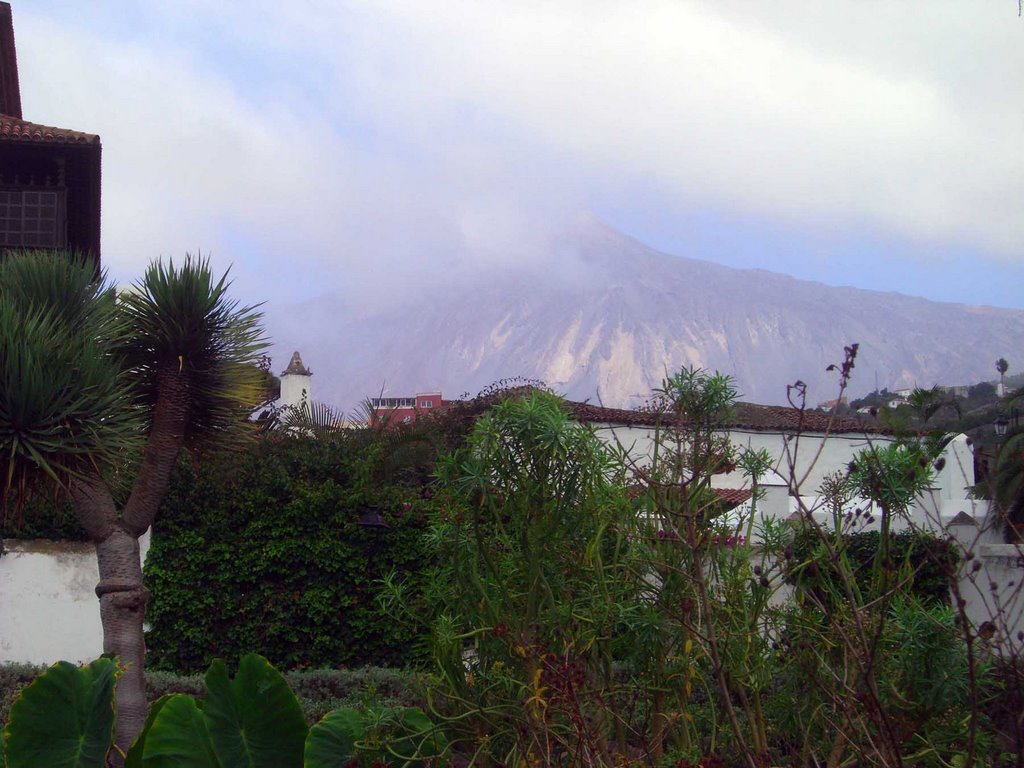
{"type": "Point", "coordinates": [13, 679]}
{"type": "Point", "coordinates": [64, 719]}
{"type": "Point", "coordinates": [572, 626]}
{"type": "Point", "coordinates": [912, 687]}
{"type": "Point", "coordinates": [64, 408]}
{"type": "Point", "coordinates": [318, 690]}
{"type": "Point", "coordinates": [176, 734]}
{"type": "Point", "coordinates": [180, 320]}
{"type": "Point", "coordinates": [395, 737]}
{"type": "Point", "coordinates": [321, 690]}
{"type": "Point", "coordinates": [892, 475]}
{"type": "Point", "coordinates": [43, 517]}
{"type": "Point", "coordinates": [254, 720]}
{"type": "Point", "coordinates": [1007, 480]}
{"type": "Point", "coordinates": [530, 587]}
{"type": "Point", "coordinates": [924, 562]}
{"type": "Point", "coordinates": [269, 536]}
{"type": "Point", "coordinates": [335, 735]}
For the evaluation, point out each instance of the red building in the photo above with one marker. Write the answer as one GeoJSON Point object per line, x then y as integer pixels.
{"type": "Point", "coordinates": [402, 410]}
{"type": "Point", "coordinates": [49, 177]}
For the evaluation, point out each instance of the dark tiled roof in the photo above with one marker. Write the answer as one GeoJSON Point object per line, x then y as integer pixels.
{"type": "Point", "coordinates": [759, 418]}
{"type": "Point", "coordinates": [296, 367]}
{"type": "Point", "coordinates": [745, 416]}
{"type": "Point", "coordinates": [13, 129]}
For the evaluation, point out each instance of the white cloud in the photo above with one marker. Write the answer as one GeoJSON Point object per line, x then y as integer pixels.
{"type": "Point", "coordinates": [740, 114]}
{"type": "Point", "coordinates": [371, 143]}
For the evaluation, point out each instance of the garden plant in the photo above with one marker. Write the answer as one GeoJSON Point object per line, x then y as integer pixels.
{"type": "Point", "coordinates": [99, 394]}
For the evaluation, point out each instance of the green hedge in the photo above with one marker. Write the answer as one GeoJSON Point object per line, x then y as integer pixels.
{"type": "Point", "coordinates": [318, 690]}
{"type": "Point", "coordinates": [931, 559]}
{"type": "Point", "coordinates": [41, 517]}
{"type": "Point", "coordinates": [260, 551]}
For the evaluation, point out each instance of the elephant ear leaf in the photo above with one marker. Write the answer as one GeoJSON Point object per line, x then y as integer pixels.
{"type": "Point", "coordinates": [177, 736]}
{"type": "Point", "coordinates": [134, 757]}
{"type": "Point", "coordinates": [419, 740]}
{"type": "Point", "coordinates": [64, 719]}
{"type": "Point", "coordinates": [332, 741]}
{"type": "Point", "coordinates": [254, 720]}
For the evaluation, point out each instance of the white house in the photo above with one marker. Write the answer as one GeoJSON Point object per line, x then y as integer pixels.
{"type": "Point", "coordinates": [807, 446]}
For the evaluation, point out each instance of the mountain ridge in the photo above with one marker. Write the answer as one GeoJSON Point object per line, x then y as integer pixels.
{"type": "Point", "coordinates": [612, 316]}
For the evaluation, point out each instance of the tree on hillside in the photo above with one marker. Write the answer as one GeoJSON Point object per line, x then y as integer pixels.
{"type": "Point", "coordinates": [98, 395]}
{"type": "Point", "coordinates": [1001, 368]}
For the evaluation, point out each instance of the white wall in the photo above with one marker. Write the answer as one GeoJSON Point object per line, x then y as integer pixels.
{"type": "Point", "coordinates": [48, 606]}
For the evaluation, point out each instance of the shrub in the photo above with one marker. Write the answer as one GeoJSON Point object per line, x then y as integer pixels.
{"type": "Point", "coordinates": [41, 518]}
{"type": "Point", "coordinates": [13, 678]}
{"type": "Point", "coordinates": [923, 557]}
{"type": "Point", "coordinates": [318, 690]}
{"type": "Point", "coordinates": [261, 551]}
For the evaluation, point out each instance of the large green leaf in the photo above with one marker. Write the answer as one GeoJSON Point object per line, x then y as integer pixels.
{"type": "Point", "coordinates": [64, 719]}
{"type": "Point", "coordinates": [255, 720]}
{"type": "Point", "coordinates": [331, 742]}
{"type": "Point", "coordinates": [178, 737]}
{"type": "Point", "coordinates": [134, 757]}
{"type": "Point", "coordinates": [420, 740]}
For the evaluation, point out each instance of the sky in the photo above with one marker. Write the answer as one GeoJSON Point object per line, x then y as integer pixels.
{"type": "Point", "coordinates": [369, 148]}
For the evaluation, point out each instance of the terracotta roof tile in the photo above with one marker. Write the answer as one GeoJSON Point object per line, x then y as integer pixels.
{"type": "Point", "coordinates": [13, 129]}
{"type": "Point", "coordinates": [745, 416]}
{"type": "Point", "coordinates": [733, 496]}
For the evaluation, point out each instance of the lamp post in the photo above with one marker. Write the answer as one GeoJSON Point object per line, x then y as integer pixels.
{"type": "Point", "coordinates": [372, 518]}
{"type": "Point", "coordinates": [1001, 424]}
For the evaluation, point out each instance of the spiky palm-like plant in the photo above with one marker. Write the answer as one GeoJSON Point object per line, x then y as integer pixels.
{"type": "Point", "coordinates": [100, 395]}
{"type": "Point", "coordinates": [64, 402]}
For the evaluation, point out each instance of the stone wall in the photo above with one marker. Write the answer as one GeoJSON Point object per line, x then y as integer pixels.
{"type": "Point", "coordinates": [48, 606]}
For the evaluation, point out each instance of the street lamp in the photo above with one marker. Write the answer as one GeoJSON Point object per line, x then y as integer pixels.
{"type": "Point", "coordinates": [1001, 424]}
{"type": "Point", "coordinates": [371, 517]}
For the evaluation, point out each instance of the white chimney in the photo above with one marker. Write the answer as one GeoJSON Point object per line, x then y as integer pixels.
{"type": "Point", "coordinates": [296, 383]}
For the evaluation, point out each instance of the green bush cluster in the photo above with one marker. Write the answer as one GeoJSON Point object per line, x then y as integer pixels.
{"type": "Point", "coordinates": [317, 690]}
{"type": "Point", "coordinates": [923, 558]}
{"type": "Point", "coordinates": [261, 551]}
{"type": "Point", "coordinates": [41, 518]}
{"type": "Point", "coordinates": [66, 717]}
{"type": "Point", "coordinates": [575, 624]}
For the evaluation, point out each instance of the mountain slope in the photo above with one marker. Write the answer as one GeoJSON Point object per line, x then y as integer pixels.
{"type": "Point", "coordinates": [611, 316]}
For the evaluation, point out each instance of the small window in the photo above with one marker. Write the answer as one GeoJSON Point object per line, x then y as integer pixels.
{"type": "Point", "coordinates": [426, 404]}
{"type": "Point", "coordinates": [407, 419]}
{"type": "Point", "coordinates": [32, 218]}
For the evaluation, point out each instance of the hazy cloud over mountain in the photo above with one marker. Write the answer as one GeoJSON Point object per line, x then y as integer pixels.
{"type": "Point", "coordinates": [622, 316]}
{"type": "Point", "coordinates": [374, 149]}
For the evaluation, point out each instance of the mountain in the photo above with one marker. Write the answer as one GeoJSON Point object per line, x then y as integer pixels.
{"type": "Point", "coordinates": [608, 316]}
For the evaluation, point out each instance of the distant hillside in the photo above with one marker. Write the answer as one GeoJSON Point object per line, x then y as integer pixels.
{"type": "Point", "coordinates": [611, 316]}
